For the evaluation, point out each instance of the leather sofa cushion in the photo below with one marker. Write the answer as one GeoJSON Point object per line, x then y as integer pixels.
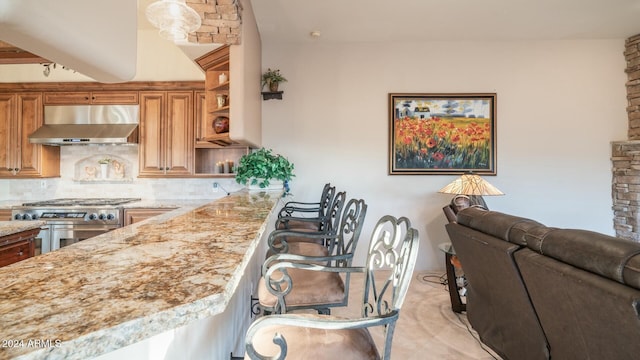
{"type": "Point", "coordinates": [631, 272]}
{"type": "Point", "coordinates": [534, 237]}
{"type": "Point", "coordinates": [614, 258]}
{"type": "Point", "coordinates": [520, 230]}
{"type": "Point", "coordinates": [506, 227]}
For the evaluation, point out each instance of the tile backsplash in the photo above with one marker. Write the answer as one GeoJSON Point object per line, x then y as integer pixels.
{"type": "Point", "coordinates": [75, 161]}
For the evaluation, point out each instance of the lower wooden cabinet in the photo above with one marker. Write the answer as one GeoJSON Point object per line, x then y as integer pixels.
{"type": "Point", "coordinates": [5, 214]}
{"type": "Point", "coordinates": [134, 215]}
{"type": "Point", "coordinates": [17, 247]}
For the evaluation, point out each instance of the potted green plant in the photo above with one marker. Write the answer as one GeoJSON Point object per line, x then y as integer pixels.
{"type": "Point", "coordinates": [262, 168]}
{"type": "Point", "coordinates": [272, 78]}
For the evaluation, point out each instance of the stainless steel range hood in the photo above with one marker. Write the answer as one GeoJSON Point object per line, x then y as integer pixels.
{"type": "Point", "coordinates": [87, 125]}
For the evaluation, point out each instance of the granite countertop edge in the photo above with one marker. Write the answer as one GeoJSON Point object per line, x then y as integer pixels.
{"type": "Point", "coordinates": [124, 333]}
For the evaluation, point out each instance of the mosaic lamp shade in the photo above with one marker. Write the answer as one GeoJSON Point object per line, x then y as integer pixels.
{"type": "Point", "coordinates": [473, 186]}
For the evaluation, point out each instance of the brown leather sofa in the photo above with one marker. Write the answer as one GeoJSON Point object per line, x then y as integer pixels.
{"type": "Point", "coordinates": [537, 292]}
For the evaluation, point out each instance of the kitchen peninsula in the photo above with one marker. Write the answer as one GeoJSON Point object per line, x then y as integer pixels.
{"type": "Point", "coordinates": [189, 266]}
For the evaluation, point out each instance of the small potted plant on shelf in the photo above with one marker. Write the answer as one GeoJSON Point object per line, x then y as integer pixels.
{"type": "Point", "coordinates": [262, 169]}
{"type": "Point", "coordinates": [272, 78]}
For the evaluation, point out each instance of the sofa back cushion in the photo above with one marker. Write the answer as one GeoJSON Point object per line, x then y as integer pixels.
{"type": "Point", "coordinates": [498, 305]}
{"type": "Point", "coordinates": [584, 316]}
{"type": "Point", "coordinates": [614, 258]}
{"type": "Point", "coordinates": [503, 226]}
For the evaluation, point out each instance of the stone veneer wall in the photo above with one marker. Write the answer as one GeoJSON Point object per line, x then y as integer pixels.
{"type": "Point", "coordinates": [632, 55]}
{"type": "Point", "coordinates": [625, 155]}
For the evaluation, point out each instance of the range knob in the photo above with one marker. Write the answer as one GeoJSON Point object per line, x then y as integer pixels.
{"type": "Point", "coordinates": [17, 217]}
{"type": "Point", "coordinates": [34, 216]}
{"type": "Point", "coordinates": [111, 217]}
{"type": "Point", "coordinates": [102, 216]}
{"type": "Point", "coordinates": [26, 217]}
{"type": "Point", "coordinates": [93, 216]}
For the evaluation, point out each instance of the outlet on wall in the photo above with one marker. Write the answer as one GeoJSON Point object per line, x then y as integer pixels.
{"type": "Point", "coordinates": [215, 187]}
{"type": "Point", "coordinates": [43, 184]}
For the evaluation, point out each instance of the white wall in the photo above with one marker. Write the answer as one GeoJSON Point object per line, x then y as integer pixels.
{"type": "Point", "coordinates": [559, 105]}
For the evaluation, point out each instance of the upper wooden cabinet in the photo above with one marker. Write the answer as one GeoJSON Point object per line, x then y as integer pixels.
{"type": "Point", "coordinates": [217, 86]}
{"type": "Point", "coordinates": [20, 115]}
{"type": "Point", "coordinates": [91, 97]}
{"type": "Point", "coordinates": [242, 66]}
{"type": "Point", "coordinates": [166, 134]}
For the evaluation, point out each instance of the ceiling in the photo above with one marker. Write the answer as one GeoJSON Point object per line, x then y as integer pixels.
{"type": "Point", "coordinates": [48, 28]}
{"type": "Point", "coordinates": [445, 20]}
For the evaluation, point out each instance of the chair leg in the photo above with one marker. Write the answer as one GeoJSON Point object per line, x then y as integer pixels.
{"type": "Point", "coordinates": [324, 311]}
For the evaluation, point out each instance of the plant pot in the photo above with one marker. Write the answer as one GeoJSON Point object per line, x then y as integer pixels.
{"type": "Point", "coordinates": [273, 87]}
{"type": "Point", "coordinates": [104, 170]}
{"type": "Point", "coordinates": [273, 185]}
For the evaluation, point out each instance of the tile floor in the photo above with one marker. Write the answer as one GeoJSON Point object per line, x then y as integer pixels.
{"type": "Point", "coordinates": [427, 328]}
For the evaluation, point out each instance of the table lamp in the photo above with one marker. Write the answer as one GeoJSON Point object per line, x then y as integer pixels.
{"type": "Point", "coordinates": [473, 186]}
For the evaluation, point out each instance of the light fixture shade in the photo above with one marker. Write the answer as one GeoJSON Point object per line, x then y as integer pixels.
{"type": "Point", "coordinates": [470, 184]}
{"type": "Point", "coordinates": [174, 19]}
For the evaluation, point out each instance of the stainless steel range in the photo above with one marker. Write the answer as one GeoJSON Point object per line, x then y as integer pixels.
{"type": "Point", "coordinates": [71, 220]}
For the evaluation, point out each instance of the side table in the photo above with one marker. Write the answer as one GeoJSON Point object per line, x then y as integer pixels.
{"type": "Point", "coordinates": [450, 254]}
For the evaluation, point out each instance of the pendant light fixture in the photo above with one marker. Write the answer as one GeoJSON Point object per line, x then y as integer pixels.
{"type": "Point", "coordinates": [174, 19]}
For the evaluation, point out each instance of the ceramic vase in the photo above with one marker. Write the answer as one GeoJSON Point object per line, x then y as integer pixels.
{"type": "Point", "coordinates": [104, 170]}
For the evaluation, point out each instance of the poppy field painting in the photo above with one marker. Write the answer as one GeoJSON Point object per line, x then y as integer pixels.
{"type": "Point", "coordinates": [442, 134]}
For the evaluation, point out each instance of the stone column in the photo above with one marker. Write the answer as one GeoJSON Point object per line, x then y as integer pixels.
{"type": "Point", "coordinates": [632, 55]}
{"type": "Point", "coordinates": [625, 155]}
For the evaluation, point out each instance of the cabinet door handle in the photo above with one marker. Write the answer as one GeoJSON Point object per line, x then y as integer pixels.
{"type": "Point", "coordinates": [20, 253]}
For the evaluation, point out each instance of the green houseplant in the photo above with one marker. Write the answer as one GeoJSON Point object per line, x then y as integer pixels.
{"type": "Point", "coordinates": [272, 78]}
{"type": "Point", "coordinates": [261, 166]}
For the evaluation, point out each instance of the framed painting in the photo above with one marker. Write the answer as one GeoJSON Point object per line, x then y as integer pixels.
{"type": "Point", "coordinates": [442, 134]}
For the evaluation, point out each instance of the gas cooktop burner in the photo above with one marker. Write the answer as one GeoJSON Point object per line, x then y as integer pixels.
{"type": "Point", "coordinates": [82, 202]}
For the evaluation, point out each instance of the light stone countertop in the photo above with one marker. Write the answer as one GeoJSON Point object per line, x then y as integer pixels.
{"type": "Point", "coordinates": [124, 286]}
{"type": "Point", "coordinates": [14, 227]}
{"type": "Point", "coordinates": [165, 203]}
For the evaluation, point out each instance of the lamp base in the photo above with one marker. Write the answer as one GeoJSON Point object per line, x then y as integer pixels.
{"type": "Point", "coordinates": [478, 200]}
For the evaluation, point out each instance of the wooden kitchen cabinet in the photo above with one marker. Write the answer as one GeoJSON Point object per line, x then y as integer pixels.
{"type": "Point", "coordinates": [5, 214]}
{"type": "Point", "coordinates": [21, 115]}
{"type": "Point", "coordinates": [215, 64]}
{"type": "Point", "coordinates": [213, 148]}
{"type": "Point", "coordinates": [17, 247]}
{"type": "Point", "coordinates": [91, 97]}
{"type": "Point", "coordinates": [134, 215]}
{"type": "Point", "coordinates": [166, 134]}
